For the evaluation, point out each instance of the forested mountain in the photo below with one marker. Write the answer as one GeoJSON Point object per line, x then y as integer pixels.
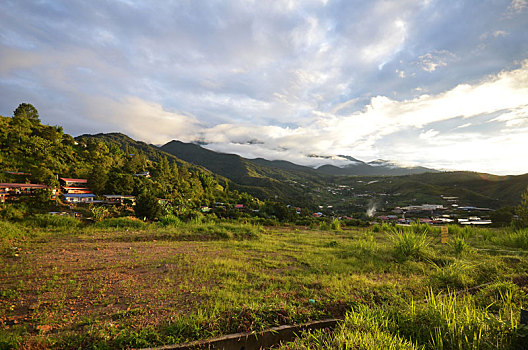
{"type": "Point", "coordinates": [330, 186]}
{"type": "Point", "coordinates": [112, 163]}
{"type": "Point", "coordinates": [191, 176]}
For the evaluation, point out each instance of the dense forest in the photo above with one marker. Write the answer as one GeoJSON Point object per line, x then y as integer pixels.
{"type": "Point", "coordinates": [37, 153]}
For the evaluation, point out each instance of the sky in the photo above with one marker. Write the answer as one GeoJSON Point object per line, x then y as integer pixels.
{"type": "Point", "coordinates": [441, 84]}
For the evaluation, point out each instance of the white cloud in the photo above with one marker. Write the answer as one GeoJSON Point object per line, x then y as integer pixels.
{"type": "Point", "coordinates": [518, 6]}
{"type": "Point", "coordinates": [359, 134]}
{"type": "Point", "coordinates": [432, 60]}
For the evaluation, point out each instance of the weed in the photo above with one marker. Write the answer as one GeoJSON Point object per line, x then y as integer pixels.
{"type": "Point", "coordinates": [459, 245]}
{"type": "Point", "coordinates": [335, 224]}
{"type": "Point", "coordinates": [123, 222]}
{"type": "Point", "coordinates": [453, 276]}
{"type": "Point", "coordinates": [52, 221]}
{"type": "Point", "coordinates": [408, 244]}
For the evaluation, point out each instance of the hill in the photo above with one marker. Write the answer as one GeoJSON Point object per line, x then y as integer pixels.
{"type": "Point", "coordinates": [332, 187]}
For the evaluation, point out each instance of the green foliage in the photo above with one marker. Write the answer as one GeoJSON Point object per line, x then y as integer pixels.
{"type": "Point", "coordinates": [52, 221]}
{"type": "Point", "coordinates": [147, 206]}
{"type": "Point", "coordinates": [122, 222]}
{"type": "Point", "coordinates": [502, 217]}
{"type": "Point", "coordinates": [522, 211]}
{"type": "Point", "coordinates": [224, 230]}
{"type": "Point", "coordinates": [459, 245]}
{"type": "Point", "coordinates": [514, 239]}
{"type": "Point", "coordinates": [408, 244]}
{"type": "Point", "coordinates": [441, 322]}
{"type": "Point", "coordinates": [99, 212]}
{"type": "Point", "coordinates": [170, 220]}
{"type": "Point", "coordinates": [26, 111]}
{"type": "Point", "coordinates": [335, 224]}
{"type": "Point", "coordinates": [452, 276]}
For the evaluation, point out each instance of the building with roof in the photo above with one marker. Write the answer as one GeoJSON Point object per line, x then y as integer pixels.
{"type": "Point", "coordinates": [13, 191]}
{"type": "Point", "coordinates": [78, 197]}
{"type": "Point", "coordinates": [74, 186]}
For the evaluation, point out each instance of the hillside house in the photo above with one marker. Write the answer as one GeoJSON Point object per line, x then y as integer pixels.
{"type": "Point", "coordinates": [13, 191]}
{"type": "Point", "coordinates": [79, 197]}
{"type": "Point", "coordinates": [119, 199]}
{"type": "Point", "coordinates": [74, 186]}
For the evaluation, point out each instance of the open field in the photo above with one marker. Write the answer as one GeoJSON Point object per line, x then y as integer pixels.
{"type": "Point", "coordinates": [64, 287]}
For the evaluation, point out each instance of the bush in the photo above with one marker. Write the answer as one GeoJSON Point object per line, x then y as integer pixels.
{"type": "Point", "coordinates": [123, 222]}
{"type": "Point", "coordinates": [408, 244]}
{"type": "Point", "coordinates": [335, 224]}
{"type": "Point", "coordinates": [170, 220]}
{"type": "Point", "coordinates": [9, 230]}
{"type": "Point", "coordinates": [442, 322]}
{"type": "Point", "coordinates": [225, 231]}
{"type": "Point", "coordinates": [453, 276]}
{"type": "Point", "coordinates": [515, 239]}
{"type": "Point", "coordinates": [147, 206]}
{"type": "Point", "coordinates": [459, 245]}
{"type": "Point", "coordinates": [53, 221]}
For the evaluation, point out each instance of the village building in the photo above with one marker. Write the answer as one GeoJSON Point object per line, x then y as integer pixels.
{"type": "Point", "coordinates": [119, 199]}
{"type": "Point", "coordinates": [74, 186]}
{"type": "Point", "coordinates": [13, 191]}
{"type": "Point", "coordinates": [79, 197]}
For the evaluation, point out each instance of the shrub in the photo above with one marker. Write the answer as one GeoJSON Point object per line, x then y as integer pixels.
{"type": "Point", "coordinates": [453, 276]}
{"type": "Point", "coordinates": [53, 221]}
{"type": "Point", "coordinates": [9, 230]}
{"type": "Point", "coordinates": [147, 206]}
{"type": "Point", "coordinates": [335, 224]}
{"type": "Point", "coordinates": [225, 231]}
{"type": "Point", "coordinates": [170, 220]}
{"type": "Point", "coordinates": [459, 245]}
{"type": "Point", "coordinates": [408, 244]}
{"type": "Point", "coordinates": [123, 222]}
{"type": "Point", "coordinates": [515, 239]}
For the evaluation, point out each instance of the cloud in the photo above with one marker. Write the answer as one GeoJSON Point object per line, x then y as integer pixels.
{"type": "Point", "coordinates": [432, 60]}
{"type": "Point", "coordinates": [143, 120]}
{"type": "Point", "coordinates": [323, 77]}
{"type": "Point", "coordinates": [517, 6]}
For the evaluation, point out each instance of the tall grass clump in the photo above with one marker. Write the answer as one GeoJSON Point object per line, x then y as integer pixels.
{"type": "Point", "coordinates": [459, 245]}
{"type": "Point", "coordinates": [408, 244]}
{"type": "Point", "coordinates": [122, 222]}
{"type": "Point", "coordinates": [9, 232]}
{"type": "Point", "coordinates": [52, 221]}
{"type": "Point", "coordinates": [368, 328]}
{"type": "Point", "coordinates": [514, 239]}
{"type": "Point", "coordinates": [335, 224]}
{"type": "Point", "coordinates": [170, 220]}
{"type": "Point", "coordinates": [441, 322]}
{"type": "Point", "coordinates": [457, 322]}
{"type": "Point", "coordinates": [452, 276]}
{"type": "Point", "coordinates": [224, 230]}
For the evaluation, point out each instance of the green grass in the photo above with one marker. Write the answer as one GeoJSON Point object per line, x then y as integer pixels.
{"type": "Point", "coordinates": [114, 287]}
{"type": "Point", "coordinates": [441, 322]}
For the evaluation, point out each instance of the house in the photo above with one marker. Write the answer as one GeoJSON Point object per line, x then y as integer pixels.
{"type": "Point", "coordinates": [13, 191]}
{"type": "Point", "coordinates": [79, 197]}
{"type": "Point", "coordinates": [144, 173]}
{"type": "Point", "coordinates": [67, 182]}
{"type": "Point", "coordinates": [119, 199]}
{"type": "Point", "coordinates": [239, 206]}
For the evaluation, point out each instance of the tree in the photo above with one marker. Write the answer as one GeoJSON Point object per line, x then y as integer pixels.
{"type": "Point", "coordinates": [27, 111]}
{"type": "Point", "coordinates": [97, 179]}
{"type": "Point", "coordinates": [147, 206]}
{"type": "Point", "coordinates": [522, 210]}
{"type": "Point", "coordinates": [502, 217]}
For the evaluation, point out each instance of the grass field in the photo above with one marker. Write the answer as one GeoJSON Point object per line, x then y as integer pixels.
{"type": "Point", "coordinates": [130, 284]}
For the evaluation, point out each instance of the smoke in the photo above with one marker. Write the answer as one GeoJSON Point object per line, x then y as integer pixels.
{"type": "Point", "coordinates": [371, 209]}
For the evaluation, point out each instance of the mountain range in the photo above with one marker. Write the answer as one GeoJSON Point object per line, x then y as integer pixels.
{"type": "Point", "coordinates": [349, 188]}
